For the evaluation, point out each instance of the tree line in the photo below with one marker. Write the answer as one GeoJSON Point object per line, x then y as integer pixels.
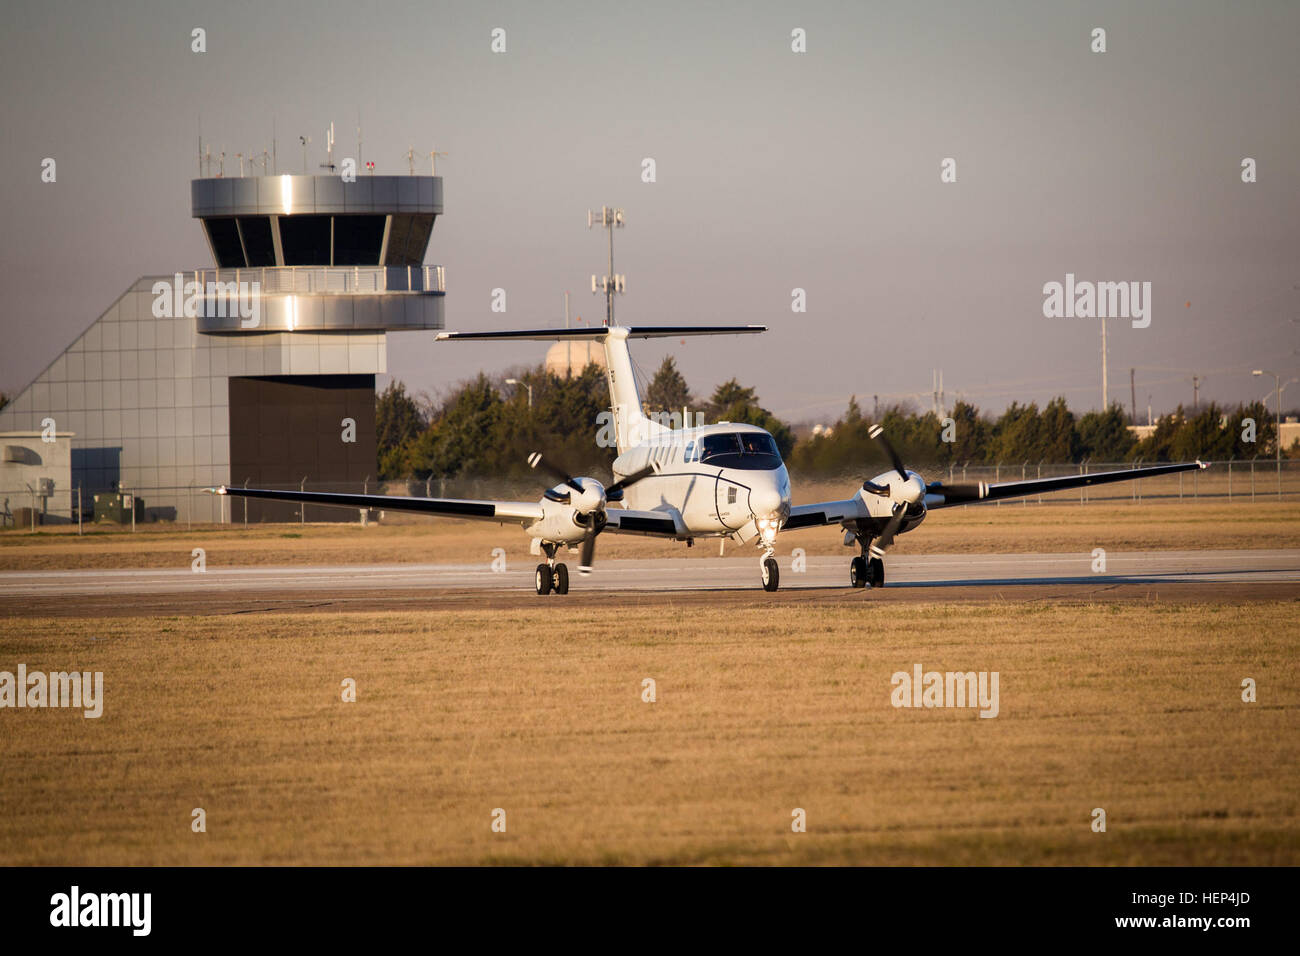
{"type": "Point", "coordinates": [485, 427]}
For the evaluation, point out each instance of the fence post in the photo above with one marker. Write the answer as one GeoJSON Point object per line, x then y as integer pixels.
{"type": "Point", "coordinates": [997, 476]}
{"type": "Point", "coordinates": [245, 504]}
{"type": "Point", "coordinates": [1229, 479]}
{"type": "Point", "coordinates": [1252, 478]}
{"type": "Point", "coordinates": [1083, 470]}
{"type": "Point", "coordinates": [78, 509]}
{"type": "Point", "coordinates": [1024, 502]}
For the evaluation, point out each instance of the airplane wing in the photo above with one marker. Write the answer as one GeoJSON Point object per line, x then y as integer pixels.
{"type": "Point", "coordinates": [963, 493]}
{"type": "Point", "coordinates": [524, 512]}
{"type": "Point", "coordinates": [824, 513]}
{"type": "Point", "coordinates": [939, 495]}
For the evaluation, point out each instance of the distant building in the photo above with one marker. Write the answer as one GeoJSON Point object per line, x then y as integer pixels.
{"type": "Point", "coordinates": [246, 372]}
{"type": "Point", "coordinates": [566, 359]}
{"type": "Point", "coordinates": [36, 472]}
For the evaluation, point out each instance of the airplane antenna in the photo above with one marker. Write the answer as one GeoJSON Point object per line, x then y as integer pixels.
{"type": "Point", "coordinates": [612, 283]}
{"type": "Point", "coordinates": [304, 140]}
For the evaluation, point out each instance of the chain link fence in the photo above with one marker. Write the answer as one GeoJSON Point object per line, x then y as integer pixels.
{"type": "Point", "coordinates": [1247, 480]}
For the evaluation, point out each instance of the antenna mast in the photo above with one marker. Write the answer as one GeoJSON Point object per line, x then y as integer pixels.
{"type": "Point", "coordinates": [433, 161]}
{"type": "Point", "coordinates": [609, 219]}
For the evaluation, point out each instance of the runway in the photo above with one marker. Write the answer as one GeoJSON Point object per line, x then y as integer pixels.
{"type": "Point", "coordinates": [1153, 575]}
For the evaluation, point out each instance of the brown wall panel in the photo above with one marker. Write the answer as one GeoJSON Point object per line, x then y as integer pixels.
{"type": "Point", "coordinates": [285, 427]}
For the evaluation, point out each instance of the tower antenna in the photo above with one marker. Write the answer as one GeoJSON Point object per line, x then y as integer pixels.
{"type": "Point", "coordinates": [433, 160]}
{"type": "Point", "coordinates": [609, 219]}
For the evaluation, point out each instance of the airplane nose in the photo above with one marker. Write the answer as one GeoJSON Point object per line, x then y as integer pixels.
{"type": "Point", "coordinates": [765, 500]}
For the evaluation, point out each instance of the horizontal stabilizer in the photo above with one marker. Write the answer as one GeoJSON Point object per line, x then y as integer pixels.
{"type": "Point", "coordinates": [599, 332]}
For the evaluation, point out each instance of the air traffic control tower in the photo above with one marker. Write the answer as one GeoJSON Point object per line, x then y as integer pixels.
{"type": "Point", "coordinates": [246, 372]}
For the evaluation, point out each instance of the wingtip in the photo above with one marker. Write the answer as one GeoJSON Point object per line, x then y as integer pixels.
{"type": "Point", "coordinates": [219, 490]}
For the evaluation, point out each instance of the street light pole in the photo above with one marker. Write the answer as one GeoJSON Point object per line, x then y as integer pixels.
{"type": "Point", "coordinates": [515, 381]}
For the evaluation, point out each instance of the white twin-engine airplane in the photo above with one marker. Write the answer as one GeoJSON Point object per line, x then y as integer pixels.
{"type": "Point", "coordinates": [725, 480]}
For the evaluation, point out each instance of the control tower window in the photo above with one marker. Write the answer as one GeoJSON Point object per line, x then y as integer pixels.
{"type": "Point", "coordinates": [357, 240]}
{"type": "Point", "coordinates": [257, 240]}
{"type": "Point", "coordinates": [225, 242]}
{"type": "Point", "coordinates": [408, 237]}
{"type": "Point", "coordinates": [305, 240]}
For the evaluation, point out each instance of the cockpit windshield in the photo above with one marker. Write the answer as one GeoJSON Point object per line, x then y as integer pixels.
{"type": "Point", "coordinates": [740, 450]}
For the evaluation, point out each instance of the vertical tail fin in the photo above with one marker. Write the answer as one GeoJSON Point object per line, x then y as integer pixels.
{"type": "Point", "coordinates": [631, 426]}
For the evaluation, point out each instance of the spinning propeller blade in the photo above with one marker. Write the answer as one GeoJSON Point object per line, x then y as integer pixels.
{"type": "Point", "coordinates": [886, 538]}
{"type": "Point", "coordinates": [615, 491]}
{"type": "Point", "coordinates": [535, 460]}
{"type": "Point", "coordinates": [878, 433]}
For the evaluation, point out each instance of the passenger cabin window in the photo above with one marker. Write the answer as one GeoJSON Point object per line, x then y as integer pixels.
{"type": "Point", "coordinates": [755, 451]}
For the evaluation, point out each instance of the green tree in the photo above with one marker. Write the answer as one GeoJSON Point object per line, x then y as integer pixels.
{"type": "Point", "coordinates": [668, 391]}
{"type": "Point", "coordinates": [1057, 433]}
{"type": "Point", "coordinates": [458, 443]}
{"type": "Point", "coordinates": [1104, 436]}
{"type": "Point", "coordinates": [399, 421]}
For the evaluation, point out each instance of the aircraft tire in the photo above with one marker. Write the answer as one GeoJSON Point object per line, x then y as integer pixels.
{"type": "Point", "coordinates": [858, 573]}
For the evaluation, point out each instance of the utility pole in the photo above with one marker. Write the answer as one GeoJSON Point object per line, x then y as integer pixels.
{"type": "Point", "coordinates": [1277, 439]}
{"type": "Point", "coordinates": [1133, 395]}
{"type": "Point", "coordinates": [1105, 397]}
{"type": "Point", "coordinates": [1196, 393]}
{"type": "Point", "coordinates": [608, 218]}
{"type": "Point", "coordinates": [568, 344]}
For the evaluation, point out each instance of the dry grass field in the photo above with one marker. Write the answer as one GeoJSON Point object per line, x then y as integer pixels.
{"type": "Point", "coordinates": [1118, 525]}
{"type": "Point", "coordinates": [1132, 708]}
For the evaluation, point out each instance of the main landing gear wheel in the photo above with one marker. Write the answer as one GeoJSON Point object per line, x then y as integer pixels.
{"type": "Point", "coordinates": [858, 573]}
{"type": "Point", "coordinates": [771, 574]}
{"type": "Point", "coordinates": [544, 579]}
{"type": "Point", "coordinates": [561, 579]}
{"type": "Point", "coordinates": [877, 568]}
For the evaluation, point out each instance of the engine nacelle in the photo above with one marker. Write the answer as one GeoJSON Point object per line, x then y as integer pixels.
{"type": "Point", "coordinates": [564, 524]}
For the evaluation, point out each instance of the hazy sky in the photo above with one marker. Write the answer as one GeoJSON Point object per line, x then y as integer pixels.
{"type": "Point", "coordinates": [775, 170]}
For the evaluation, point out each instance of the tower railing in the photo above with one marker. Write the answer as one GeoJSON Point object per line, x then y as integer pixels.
{"type": "Point", "coordinates": [325, 280]}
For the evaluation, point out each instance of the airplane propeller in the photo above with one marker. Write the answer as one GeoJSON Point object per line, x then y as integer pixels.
{"type": "Point", "coordinates": [590, 500]}
{"type": "Point", "coordinates": [908, 492]}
